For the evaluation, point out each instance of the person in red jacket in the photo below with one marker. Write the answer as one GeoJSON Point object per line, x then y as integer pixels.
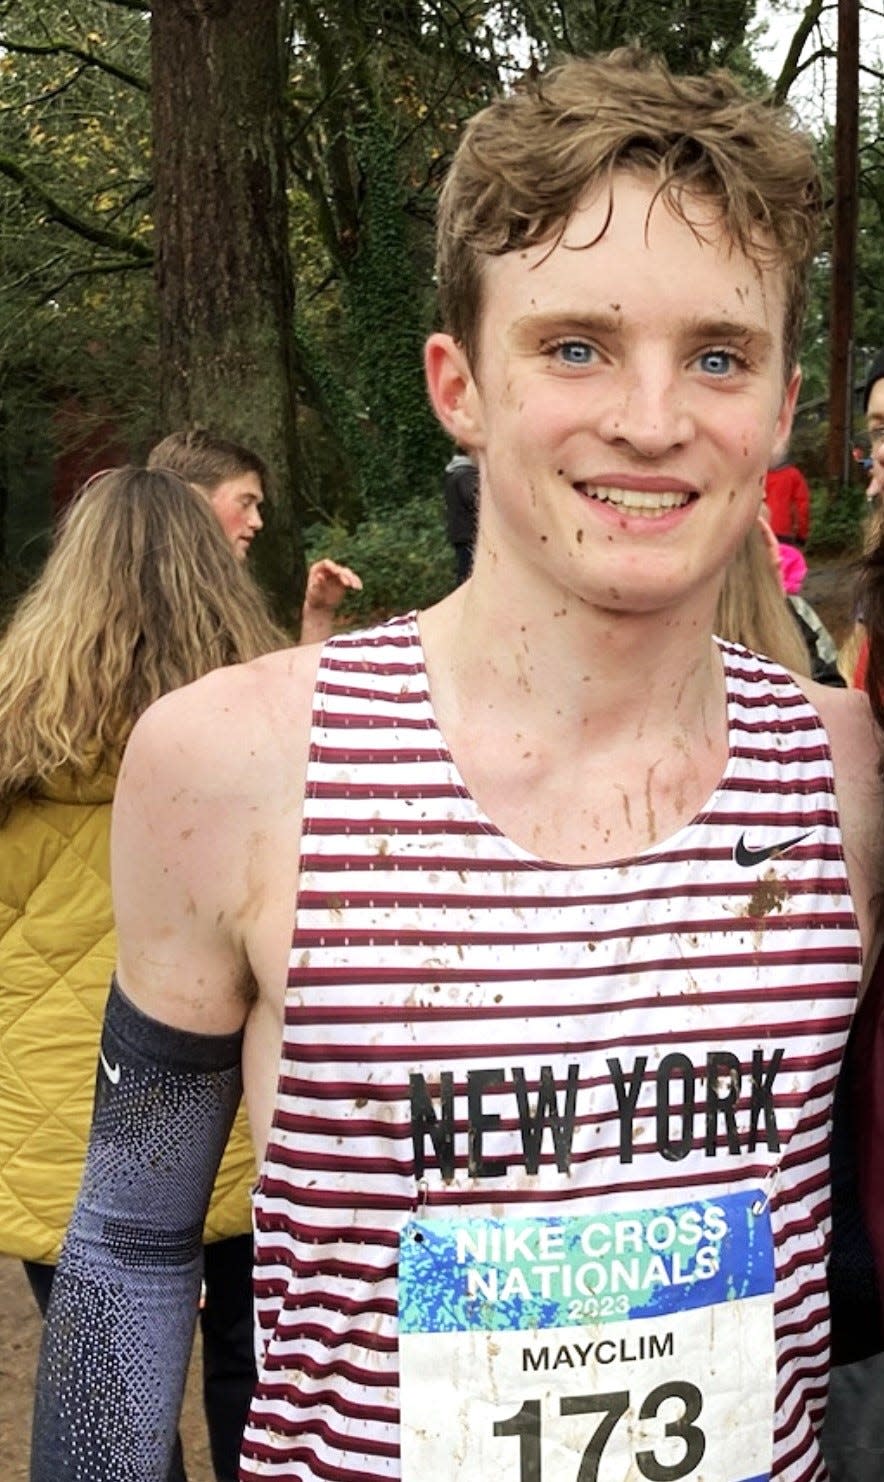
{"type": "Point", "coordinates": [787, 498]}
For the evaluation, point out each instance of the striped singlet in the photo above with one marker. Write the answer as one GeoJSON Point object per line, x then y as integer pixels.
{"type": "Point", "coordinates": [430, 951]}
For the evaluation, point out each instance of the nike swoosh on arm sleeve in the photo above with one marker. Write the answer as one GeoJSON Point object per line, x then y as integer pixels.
{"type": "Point", "coordinates": [119, 1329]}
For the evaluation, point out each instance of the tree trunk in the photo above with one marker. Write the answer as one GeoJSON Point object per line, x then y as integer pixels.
{"type": "Point", "coordinates": [844, 246]}
{"type": "Point", "coordinates": [223, 270]}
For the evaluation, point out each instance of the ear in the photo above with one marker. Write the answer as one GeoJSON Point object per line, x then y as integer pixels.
{"type": "Point", "coordinates": [453, 391]}
{"type": "Point", "coordinates": [783, 428]}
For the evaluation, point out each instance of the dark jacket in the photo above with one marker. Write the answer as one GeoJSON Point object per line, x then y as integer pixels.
{"type": "Point", "coordinates": [461, 490]}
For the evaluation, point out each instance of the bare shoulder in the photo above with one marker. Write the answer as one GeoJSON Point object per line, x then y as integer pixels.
{"type": "Point", "coordinates": [853, 736]}
{"type": "Point", "coordinates": [856, 745]}
{"type": "Point", "coordinates": [204, 841]}
{"type": "Point", "coordinates": [209, 734]}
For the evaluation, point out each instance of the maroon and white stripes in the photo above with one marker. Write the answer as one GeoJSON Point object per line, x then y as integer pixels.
{"type": "Point", "coordinates": [684, 1012]}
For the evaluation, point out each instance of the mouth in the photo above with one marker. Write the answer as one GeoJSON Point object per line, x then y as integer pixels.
{"type": "Point", "coordinates": [649, 504]}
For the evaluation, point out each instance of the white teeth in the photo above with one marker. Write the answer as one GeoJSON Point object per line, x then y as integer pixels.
{"type": "Point", "coordinates": [656, 503]}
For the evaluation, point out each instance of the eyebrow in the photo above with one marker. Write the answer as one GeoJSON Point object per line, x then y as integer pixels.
{"type": "Point", "coordinates": [713, 330]}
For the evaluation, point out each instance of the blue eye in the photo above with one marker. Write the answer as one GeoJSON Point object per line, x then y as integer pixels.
{"type": "Point", "coordinates": [575, 352]}
{"type": "Point", "coordinates": [718, 362]}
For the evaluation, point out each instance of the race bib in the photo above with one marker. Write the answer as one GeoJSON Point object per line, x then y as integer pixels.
{"type": "Point", "coordinates": [601, 1348]}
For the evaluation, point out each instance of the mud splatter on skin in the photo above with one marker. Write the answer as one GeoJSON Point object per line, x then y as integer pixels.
{"type": "Point", "coordinates": [650, 816]}
{"type": "Point", "coordinates": [627, 811]}
{"type": "Point", "coordinates": [684, 684]}
{"type": "Point", "coordinates": [256, 888]}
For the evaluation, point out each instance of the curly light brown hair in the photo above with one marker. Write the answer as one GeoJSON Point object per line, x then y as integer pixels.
{"type": "Point", "coordinates": [525, 163]}
{"type": "Point", "coordinates": [140, 594]}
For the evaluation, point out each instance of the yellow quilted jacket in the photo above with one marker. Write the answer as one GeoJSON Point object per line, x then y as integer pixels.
{"type": "Point", "coordinates": [57, 951]}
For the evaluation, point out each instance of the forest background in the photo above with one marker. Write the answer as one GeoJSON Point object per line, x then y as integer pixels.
{"type": "Point", "coordinates": [221, 212]}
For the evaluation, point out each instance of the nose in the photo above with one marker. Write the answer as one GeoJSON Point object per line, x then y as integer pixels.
{"type": "Point", "coordinates": [648, 411]}
{"type": "Point", "coordinates": [255, 521]}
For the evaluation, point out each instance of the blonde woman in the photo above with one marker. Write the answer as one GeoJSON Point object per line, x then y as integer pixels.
{"type": "Point", "coordinates": [141, 594]}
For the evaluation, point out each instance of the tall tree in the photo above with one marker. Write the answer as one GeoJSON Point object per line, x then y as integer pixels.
{"type": "Point", "coordinates": [223, 271]}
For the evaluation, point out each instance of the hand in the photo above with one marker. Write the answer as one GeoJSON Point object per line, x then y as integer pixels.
{"type": "Point", "coordinates": [771, 544]}
{"type": "Point", "coordinates": [327, 584]}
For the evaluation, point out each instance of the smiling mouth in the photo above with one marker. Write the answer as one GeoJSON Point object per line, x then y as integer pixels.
{"type": "Point", "coordinates": [648, 503]}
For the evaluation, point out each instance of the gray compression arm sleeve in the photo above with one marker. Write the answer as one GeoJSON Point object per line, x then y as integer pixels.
{"type": "Point", "coordinates": [119, 1329]}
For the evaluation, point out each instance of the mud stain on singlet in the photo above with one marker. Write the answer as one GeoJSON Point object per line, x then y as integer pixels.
{"type": "Point", "coordinates": [768, 895]}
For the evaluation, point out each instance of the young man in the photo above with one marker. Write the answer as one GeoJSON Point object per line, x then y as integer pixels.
{"type": "Point", "coordinates": [873, 405]}
{"type": "Point", "coordinates": [542, 1077]}
{"type": "Point", "coordinates": [233, 479]}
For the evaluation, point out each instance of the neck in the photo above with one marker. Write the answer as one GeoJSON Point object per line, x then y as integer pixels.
{"type": "Point", "coordinates": [563, 666]}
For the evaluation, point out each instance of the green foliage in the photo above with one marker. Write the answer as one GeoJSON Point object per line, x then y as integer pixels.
{"type": "Point", "coordinates": [400, 552]}
{"type": "Point", "coordinates": [389, 315]}
{"type": "Point", "coordinates": [836, 520]}
{"type": "Point", "coordinates": [869, 300]}
{"type": "Point", "coordinates": [690, 34]}
{"type": "Point", "coordinates": [76, 297]}
{"type": "Point", "coordinates": [375, 95]}
{"type": "Point", "coordinates": [378, 94]}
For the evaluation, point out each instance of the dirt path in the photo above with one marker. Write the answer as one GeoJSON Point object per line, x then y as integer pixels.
{"type": "Point", "coordinates": [829, 586]}
{"type": "Point", "coordinates": [19, 1340]}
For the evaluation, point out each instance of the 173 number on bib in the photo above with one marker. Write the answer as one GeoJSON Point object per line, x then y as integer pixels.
{"type": "Point", "coordinates": [610, 1410]}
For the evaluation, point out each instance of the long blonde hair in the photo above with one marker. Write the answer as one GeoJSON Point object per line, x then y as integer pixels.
{"type": "Point", "coordinates": [752, 607]}
{"type": "Point", "coordinates": [140, 594]}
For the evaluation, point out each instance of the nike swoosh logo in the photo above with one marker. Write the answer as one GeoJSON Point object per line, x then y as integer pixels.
{"type": "Point", "coordinates": [746, 857]}
{"type": "Point", "coordinates": [111, 1071]}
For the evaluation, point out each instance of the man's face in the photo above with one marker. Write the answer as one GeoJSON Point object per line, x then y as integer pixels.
{"type": "Point", "coordinates": [237, 507]}
{"type": "Point", "coordinates": [624, 403]}
{"type": "Point", "coordinates": [875, 423]}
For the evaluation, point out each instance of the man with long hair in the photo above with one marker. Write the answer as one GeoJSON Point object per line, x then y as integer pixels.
{"type": "Point", "coordinates": [540, 913]}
